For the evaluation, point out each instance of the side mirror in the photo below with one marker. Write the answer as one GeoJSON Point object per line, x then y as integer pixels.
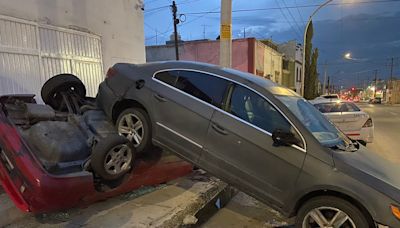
{"type": "Point", "coordinates": [282, 138]}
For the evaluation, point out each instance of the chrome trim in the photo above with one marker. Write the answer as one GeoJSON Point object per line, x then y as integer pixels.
{"type": "Point", "coordinates": [176, 133]}
{"type": "Point", "coordinates": [216, 108]}
{"type": "Point", "coordinates": [6, 159]}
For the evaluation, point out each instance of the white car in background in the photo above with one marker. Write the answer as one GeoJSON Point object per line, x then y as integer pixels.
{"type": "Point", "coordinates": [348, 117]}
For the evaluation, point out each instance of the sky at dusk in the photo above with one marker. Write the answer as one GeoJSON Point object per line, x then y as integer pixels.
{"type": "Point", "coordinates": [369, 29]}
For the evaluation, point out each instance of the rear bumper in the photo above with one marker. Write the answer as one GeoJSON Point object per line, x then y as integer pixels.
{"type": "Point", "coordinates": [366, 134]}
{"type": "Point", "coordinates": [106, 98]}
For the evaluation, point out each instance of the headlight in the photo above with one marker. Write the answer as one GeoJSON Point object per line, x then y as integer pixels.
{"type": "Point", "coordinates": [395, 211]}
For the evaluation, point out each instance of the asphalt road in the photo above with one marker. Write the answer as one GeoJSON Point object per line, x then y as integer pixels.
{"type": "Point", "coordinates": [386, 121]}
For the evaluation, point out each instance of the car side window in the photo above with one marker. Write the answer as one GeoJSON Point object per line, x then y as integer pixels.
{"type": "Point", "coordinates": [169, 77]}
{"type": "Point", "coordinates": [352, 107]}
{"type": "Point", "coordinates": [254, 109]}
{"type": "Point", "coordinates": [208, 88]}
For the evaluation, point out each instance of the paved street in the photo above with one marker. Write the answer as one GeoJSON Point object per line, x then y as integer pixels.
{"type": "Point", "coordinates": [387, 130]}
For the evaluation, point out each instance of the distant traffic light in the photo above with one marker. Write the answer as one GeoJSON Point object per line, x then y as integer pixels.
{"type": "Point", "coordinates": [352, 88]}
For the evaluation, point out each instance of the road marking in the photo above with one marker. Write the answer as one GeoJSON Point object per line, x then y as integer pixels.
{"type": "Point", "coordinates": [394, 113]}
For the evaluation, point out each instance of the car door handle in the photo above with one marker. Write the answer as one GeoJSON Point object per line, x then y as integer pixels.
{"type": "Point", "coordinates": [160, 98]}
{"type": "Point", "coordinates": [219, 129]}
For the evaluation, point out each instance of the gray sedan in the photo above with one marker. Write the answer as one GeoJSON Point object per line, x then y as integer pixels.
{"type": "Point", "coordinates": [256, 135]}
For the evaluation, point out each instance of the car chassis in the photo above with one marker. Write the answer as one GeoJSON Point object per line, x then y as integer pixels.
{"type": "Point", "coordinates": [45, 155]}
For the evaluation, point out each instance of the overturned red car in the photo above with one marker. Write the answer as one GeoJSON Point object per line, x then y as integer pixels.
{"type": "Point", "coordinates": [68, 154]}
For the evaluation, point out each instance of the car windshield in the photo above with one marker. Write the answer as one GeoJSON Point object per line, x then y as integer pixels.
{"type": "Point", "coordinates": [321, 128]}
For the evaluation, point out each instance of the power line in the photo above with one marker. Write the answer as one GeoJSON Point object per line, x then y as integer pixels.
{"type": "Point", "coordinates": [291, 15]}
{"type": "Point", "coordinates": [300, 15]}
{"type": "Point", "coordinates": [291, 25]}
{"type": "Point", "coordinates": [293, 7]}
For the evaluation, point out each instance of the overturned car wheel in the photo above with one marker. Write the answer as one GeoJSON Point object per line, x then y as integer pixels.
{"type": "Point", "coordinates": [54, 88]}
{"type": "Point", "coordinates": [112, 157]}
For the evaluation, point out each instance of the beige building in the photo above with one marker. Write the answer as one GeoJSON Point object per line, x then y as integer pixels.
{"type": "Point", "coordinates": [269, 61]}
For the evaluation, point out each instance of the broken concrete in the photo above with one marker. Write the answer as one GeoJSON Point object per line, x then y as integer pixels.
{"type": "Point", "coordinates": [167, 206]}
{"type": "Point", "coordinates": [245, 211]}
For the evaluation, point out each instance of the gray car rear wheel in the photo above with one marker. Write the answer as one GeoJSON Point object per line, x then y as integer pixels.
{"type": "Point", "coordinates": [330, 211]}
{"type": "Point", "coordinates": [134, 124]}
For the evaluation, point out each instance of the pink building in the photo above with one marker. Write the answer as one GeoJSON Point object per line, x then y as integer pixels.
{"type": "Point", "coordinates": [248, 55]}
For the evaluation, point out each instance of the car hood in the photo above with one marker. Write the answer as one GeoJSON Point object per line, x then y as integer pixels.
{"type": "Point", "coordinates": [372, 169]}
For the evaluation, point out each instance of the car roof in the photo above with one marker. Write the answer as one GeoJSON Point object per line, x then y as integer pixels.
{"type": "Point", "coordinates": [235, 75]}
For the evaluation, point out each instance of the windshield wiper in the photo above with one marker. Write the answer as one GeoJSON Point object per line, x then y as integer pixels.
{"type": "Point", "coordinates": [338, 147]}
{"type": "Point", "coordinates": [351, 147]}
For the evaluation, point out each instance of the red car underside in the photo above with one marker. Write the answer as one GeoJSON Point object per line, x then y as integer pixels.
{"type": "Point", "coordinates": [33, 189]}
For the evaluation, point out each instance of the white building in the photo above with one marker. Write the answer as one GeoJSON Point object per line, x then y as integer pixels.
{"type": "Point", "coordinates": [42, 38]}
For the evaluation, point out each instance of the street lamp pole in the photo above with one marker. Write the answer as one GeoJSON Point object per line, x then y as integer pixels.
{"type": "Point", "coordinates": [304, 43]}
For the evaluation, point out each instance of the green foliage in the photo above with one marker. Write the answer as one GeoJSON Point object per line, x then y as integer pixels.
{"type": "Point", "coordinates": [311, 62]}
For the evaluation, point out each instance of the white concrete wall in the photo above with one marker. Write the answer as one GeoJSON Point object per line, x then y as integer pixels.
{"type": "Point", "coordinates": [118, 22]}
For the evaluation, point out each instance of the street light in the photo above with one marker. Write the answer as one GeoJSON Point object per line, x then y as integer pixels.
{"type": "Point", "coordinates": [304, 42]}
{"type": "Point", "coordinates": [348, 56]}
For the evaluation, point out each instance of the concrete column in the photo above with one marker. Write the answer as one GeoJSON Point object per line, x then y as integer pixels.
{"type": "Point", "coordinates": [225, 57]}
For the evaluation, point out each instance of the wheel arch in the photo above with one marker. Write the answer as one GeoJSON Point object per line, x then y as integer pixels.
{"type": "Point", "coordinates": [326, 192]}
{"type": "Point", "coordinates": [124, 104]}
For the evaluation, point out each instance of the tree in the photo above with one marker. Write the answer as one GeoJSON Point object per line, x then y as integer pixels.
{"type": "Point", "coordinates": [313, 74]}
{"type": "Point", "coordinates": [310, 71]}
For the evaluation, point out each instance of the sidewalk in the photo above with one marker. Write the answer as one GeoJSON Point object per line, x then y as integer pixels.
{"type": "Point", "coordinates": [169, 205]}
{"type": "Point", "coordinates": [244, 211]}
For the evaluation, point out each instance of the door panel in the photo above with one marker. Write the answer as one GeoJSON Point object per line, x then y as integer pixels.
{"type": "Point", "coordinates": [243, 153]}
{"type": "Point", "coordinates": [182, 114]}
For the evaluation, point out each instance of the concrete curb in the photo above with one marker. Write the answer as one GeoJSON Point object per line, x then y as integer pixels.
{"type": "Point", "coordinates": [169, 206]}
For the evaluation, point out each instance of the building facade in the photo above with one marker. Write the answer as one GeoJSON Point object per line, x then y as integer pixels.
{"type": "Point", "coordinates": [293, 53]}
{"type": "Point", "coordinates": [248, 55]}
{"type": "Point", "coordinates": [42, 38]}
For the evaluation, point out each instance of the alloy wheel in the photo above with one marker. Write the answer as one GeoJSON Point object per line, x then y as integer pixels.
{"type": "Point", "coordinates": [132, 128]}
{"type": "Point", "coordinates": [118, 160]}
{"type": "Point", "coordinates": [327, 217]}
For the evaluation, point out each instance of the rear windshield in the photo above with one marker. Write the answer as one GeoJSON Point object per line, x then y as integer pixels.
{"type": "Point", "coordinates": [330, 96]}
{"type": "Point", "coordinates": [337, 107]}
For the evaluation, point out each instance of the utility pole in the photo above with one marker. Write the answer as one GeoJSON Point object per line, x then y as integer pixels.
{"type": "Point", "coordinates": [156, 37]}
{"type": "Point", "coordinates": [225, 56]}
{"type": "Point", "coordinates": [176, 22]}
{"type": "Point", "coordinates": [391, 81]}
{"type": "Point", "coordinates": [244, 32]}
{"type": "Point", "coordinates": [329, 84]}
{"type": "Point", "coordinates": [325, 75]}
{"type": "Point", "coordinates": [376, 82]}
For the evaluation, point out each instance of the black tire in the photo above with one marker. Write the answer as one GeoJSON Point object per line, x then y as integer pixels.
{"type": "Point", "coordinates": [102, 151]}
{"type": "Point", "coordinates": [363, 143]}
{"type": "Point", "coordinates": [141, 114]}
{"type": "Point", "coordinates": [61, 83]}
{"type": "Point", "coordinates": [354, 213]}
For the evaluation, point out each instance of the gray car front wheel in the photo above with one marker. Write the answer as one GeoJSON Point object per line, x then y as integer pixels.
{"type": "Point", "coordinates": [330, 211]}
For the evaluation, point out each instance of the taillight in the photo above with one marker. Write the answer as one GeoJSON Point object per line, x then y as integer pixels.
{"type": "Point", "coordinates": [368, 123]}
{"type": "Point", "coordinates": [111, 73]}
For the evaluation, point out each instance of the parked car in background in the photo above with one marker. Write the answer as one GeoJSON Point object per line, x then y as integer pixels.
{"type": "Point", "coordinates": [256, 135]}
{"type": "Point", "coordinates": [376, 100]}
{"type": "Point", "coordinates": [349, 118]}
{"type": "Point", "coordinates": [329, 96]}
